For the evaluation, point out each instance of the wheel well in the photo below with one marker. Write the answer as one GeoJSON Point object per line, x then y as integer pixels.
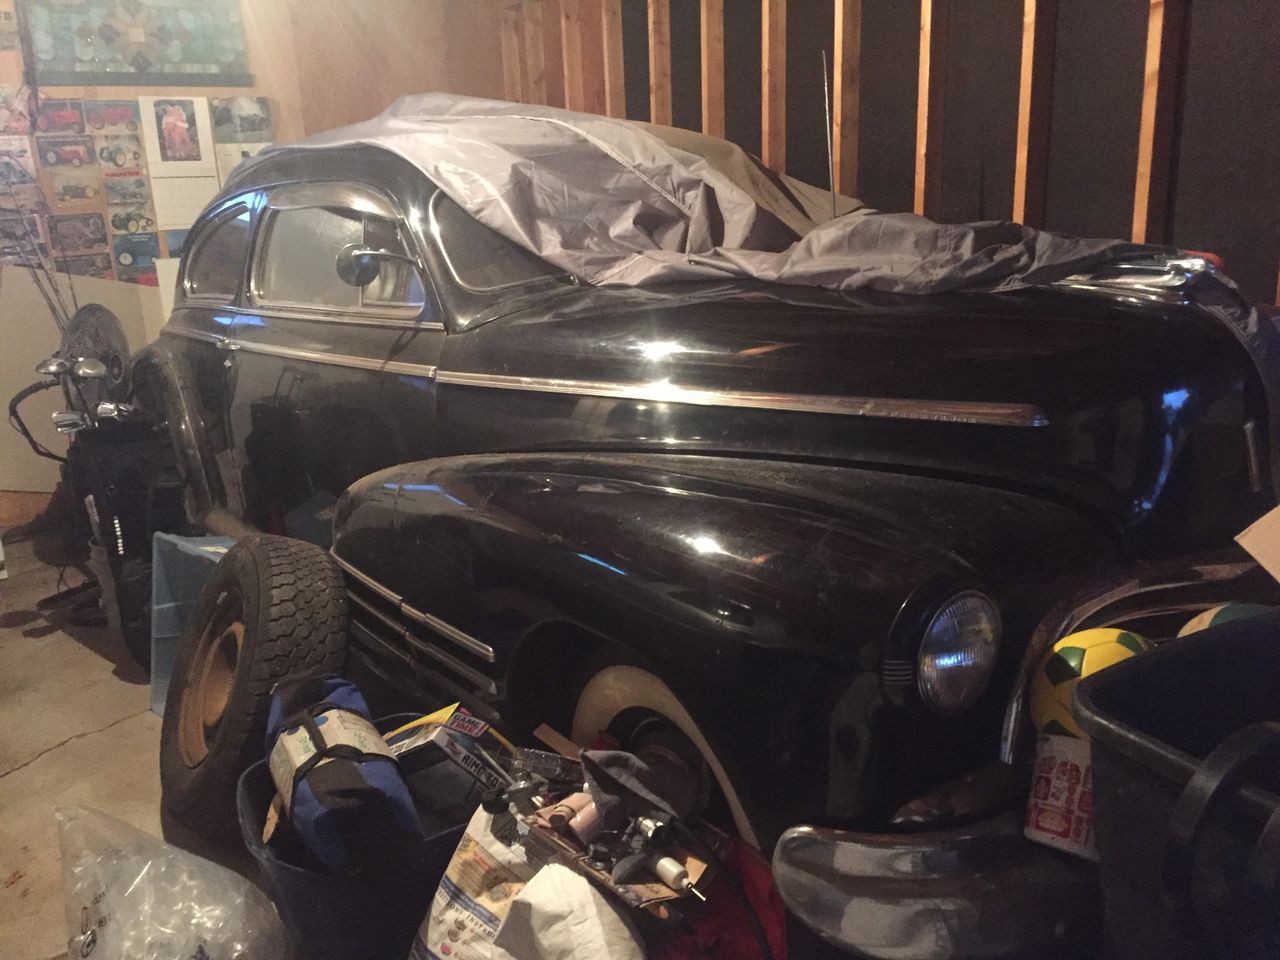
{"type": "Point", "coordinates": [551, 664]}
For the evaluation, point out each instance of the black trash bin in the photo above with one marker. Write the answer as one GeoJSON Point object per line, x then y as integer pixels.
{"type": "Point", "coordinates": [1186, 772]}
{"type": "Point", "coordinates": [370, 916]}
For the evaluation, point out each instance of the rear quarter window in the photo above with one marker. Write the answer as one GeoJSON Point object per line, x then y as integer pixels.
{"type": "Point", "coordinates": [216, 263]}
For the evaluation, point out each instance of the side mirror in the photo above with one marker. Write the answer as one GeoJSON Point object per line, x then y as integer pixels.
{"type": "Point", "coordinates": [90, 368]}
{"type": "Point", "coordinates": [359, 266]}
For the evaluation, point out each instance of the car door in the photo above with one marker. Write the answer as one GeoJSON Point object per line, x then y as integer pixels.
{"type": "Point", "coordinates": [329, 381]}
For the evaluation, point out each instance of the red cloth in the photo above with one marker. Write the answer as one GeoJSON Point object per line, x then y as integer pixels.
{"type": "Point", "coordinates": [721, 928]}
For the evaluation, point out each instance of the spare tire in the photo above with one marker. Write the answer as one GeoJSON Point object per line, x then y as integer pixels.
{"type": "Point", "coordinates": [273, 607]}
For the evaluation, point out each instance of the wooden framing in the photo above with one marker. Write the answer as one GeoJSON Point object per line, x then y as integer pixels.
{"type": "Point", "coordinates": [535, 53]}
{"type": "Point", "coordinates": [929, 104]}
{"type": "Point", "coordinates": [553, 50]}
{"type": "Point", "coordinates": [513, 68]}
{"type": "Point", "coordinates": [773, 84]}
{"type": "Point", "coordinates": [571, 52]}
{"type": "Point", "coordinates": [845, 94]}
{"type": "Point", "coordinates": [712, 40]}
{"type": "Point", "coordinates": [1157, 133]}
{"type": "Point", "coordinates": [591, 20]}
{"type": "Point", "coordinates": [660, 61]}
{"type": "Point", "coordinates": [1035, 96]}
{"type": "Point", "coordinates": [615, 89]}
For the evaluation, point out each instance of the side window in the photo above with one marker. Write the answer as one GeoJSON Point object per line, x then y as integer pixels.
{"type": "Point", "coordinates": [398, 283]}
{"type": "Point", "coordinates": [215, 265]}
{"type": "Point", "coordinates": [298, 265]}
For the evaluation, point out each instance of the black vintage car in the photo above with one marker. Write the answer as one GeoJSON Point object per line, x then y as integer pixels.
{"type": "Point", "coordinates": [811, 541]}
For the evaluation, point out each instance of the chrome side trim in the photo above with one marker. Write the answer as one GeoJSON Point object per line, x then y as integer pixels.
{"type": "Point", "coordinates": [310, 356]}
{"type": "Point", "coordinates": [188, 334]}
{"type": "Point", "coordinates": [482, 650]}
{"type": "Point", "coordinates": [475, 676]}
{"type": "Point", "coordinates": [944, 411]}
{"type": "Point", "coordinates": [314, 315]}
{"type": "Point", "coordinates": [391, 597]}
{"type": "Point", "coordinates": [335, 359]}
{"type": "Point", "coordinates": [466, 641]}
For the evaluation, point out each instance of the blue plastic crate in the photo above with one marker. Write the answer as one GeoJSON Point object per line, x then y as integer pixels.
{"type": "Point", "coordinates": [179, 568]}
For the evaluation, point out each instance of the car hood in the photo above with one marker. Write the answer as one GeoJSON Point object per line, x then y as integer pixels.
{"type": "Point", "coordinates": [1039, 351]}
{"type": "Point", "coordinates": [1090, 399]}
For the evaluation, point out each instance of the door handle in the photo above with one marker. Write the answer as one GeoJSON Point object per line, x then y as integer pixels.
{"type": "Point", "coordinates": [226, 344]}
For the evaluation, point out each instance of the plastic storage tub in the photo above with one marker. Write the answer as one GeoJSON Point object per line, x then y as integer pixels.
{"type": "Point", "coordinates": [1169, 891]}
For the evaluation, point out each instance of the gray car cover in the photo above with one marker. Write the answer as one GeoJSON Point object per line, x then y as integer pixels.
{"type": "Point", "coordinates": [619, 202]}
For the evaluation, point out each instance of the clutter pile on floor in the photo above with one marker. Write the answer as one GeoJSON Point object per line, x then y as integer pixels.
{"type": "Point", "coordinates": [430, 837]}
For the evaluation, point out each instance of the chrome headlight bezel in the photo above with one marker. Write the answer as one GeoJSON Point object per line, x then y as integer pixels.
{"type": "Point", "coordinates": [975, 644]}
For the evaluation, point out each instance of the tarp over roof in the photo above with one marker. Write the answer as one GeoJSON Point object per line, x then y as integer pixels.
{"type": "Point", "coordinates": [618, 202]}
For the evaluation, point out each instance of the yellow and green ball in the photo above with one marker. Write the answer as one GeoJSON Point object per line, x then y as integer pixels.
{"type": "Point", "coordinates": [1224, 613]}
{"type": "Point", "coordinates": [1073, 658]}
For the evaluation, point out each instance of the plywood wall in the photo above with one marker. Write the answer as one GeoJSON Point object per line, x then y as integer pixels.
{"type": "Point", "coordinates": [353, 59]}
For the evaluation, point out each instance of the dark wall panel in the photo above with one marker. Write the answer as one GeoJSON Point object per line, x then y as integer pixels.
{"type": "Point", "coordinates": [887, 128]}
{"type": "Point", "coordinates": [980, 115]}
{"type": "Point", "coordinates": [686, 64]}
{"type": "Point", "coordinates": [742, 73]}
{"type": "Point", "coordinates": [810, 31]}
{"type": "Point", "coordinates": [1227, 191]}
{"type": "Point", "coordinates": [1097, 106]}
{"type": "Point", "coordinates": [635, 57]}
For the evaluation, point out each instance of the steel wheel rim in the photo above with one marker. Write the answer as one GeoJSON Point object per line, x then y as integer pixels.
{"type": "Point", "coordinates": [211, 679]}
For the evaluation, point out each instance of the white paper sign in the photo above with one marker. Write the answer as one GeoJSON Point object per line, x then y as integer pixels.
{"type": "Point", "coordinates": [230, 154]}
{"type": "Point", "coordinates": [178, 134]}
{"type": "Point", "coordinates": [179, 200]}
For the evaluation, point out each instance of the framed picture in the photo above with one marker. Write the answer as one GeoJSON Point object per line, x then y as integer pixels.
{"type": "Point", "coordinates": [17, 166]}
{"type": "Point", "coordinates": [77, 233]}
{"type": "Point", "coordinates": [60, 116]}
{"type": "Point", "coordinates": [15, 110]}
{"type": "Point", "coordinates": [127, 189]}
{"type": "Point", "coordinates": [75, 189]}
{"type": "Point", "coordinates": [66, 152]}
{"type": "Point", "coordinates": [112, 116]}
{"type": "Point", "coordinates": [96, 265]}
{"type": "Point", "coordinates": [120, 153]}
{"type": "Point", "coordinates": [241, 120]}
{"type": "Point", "coordinates": [22, 237]}
{"type": "Point", "coordinates": [179, 136]}
{"type": "Point", "coordinates": [138, 42]}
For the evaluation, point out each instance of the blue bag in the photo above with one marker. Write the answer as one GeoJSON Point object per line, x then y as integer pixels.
{"type": "Point", "coordinates": [353, 811]}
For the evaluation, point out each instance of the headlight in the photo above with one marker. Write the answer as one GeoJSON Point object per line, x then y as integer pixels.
{"type": "Point", "coordinates": [958, 652]}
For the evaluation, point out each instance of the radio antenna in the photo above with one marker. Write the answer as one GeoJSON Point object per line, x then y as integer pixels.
{"type": "Point", "coordinates": [831, 156]}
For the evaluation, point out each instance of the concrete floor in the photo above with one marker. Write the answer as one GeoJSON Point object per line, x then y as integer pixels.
{"type": "Point", "coordinates": [75, 729]}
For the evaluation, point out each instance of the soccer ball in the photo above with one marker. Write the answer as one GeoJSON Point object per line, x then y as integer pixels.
{"type": "Point", "coordinates": [1224, 613]}
{"type": "Point", "coordinates": [1072, 658]}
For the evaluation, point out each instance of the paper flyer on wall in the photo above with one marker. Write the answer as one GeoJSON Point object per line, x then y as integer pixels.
{"type": "Point", "coordinates": [179, 200]}
{"type": "Point", "coordinates": [229, 155]}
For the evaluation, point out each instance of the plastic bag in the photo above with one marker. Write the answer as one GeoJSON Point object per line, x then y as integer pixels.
{"type": "Point", "coordinates": [130, 896]}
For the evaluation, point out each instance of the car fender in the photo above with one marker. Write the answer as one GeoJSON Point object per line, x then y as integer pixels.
{"type": "Point", "coordinates": [758, 598]}
{"type": "Point", "coordinates": [161, 384]}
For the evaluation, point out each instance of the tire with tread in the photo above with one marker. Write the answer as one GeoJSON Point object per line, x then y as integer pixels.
{"type": "Point", "coordinates": [292, 614]}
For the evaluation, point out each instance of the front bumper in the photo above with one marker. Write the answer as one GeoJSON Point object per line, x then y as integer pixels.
{"type": "Point", "coordinates": [976, 891]}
